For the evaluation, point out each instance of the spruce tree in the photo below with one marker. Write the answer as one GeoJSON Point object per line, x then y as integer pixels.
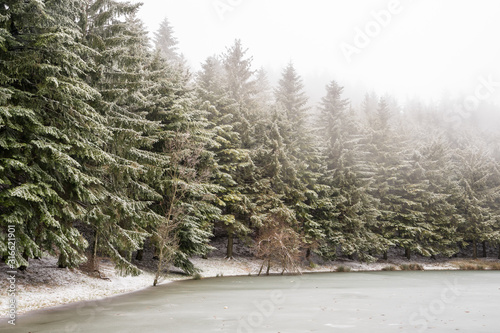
{"type": "Point", "coordinates": [48, 130]}
{"type": "Point", "coordinates": [166, 43]}
{"type": "Point", "coordinates": [120, 42]}
{"type": "Point", "coordinates": [241, 87]}
{"type": "Point", "coordinates": [423, 219]}
{"type": "Point", "coordinates": [439, 199]}
{"type": "Point", "coordinates": [349, 213]}
{"type": "Point", "coordinates": [386, 153]}
{"type": "Point", "coordinates": [185, 138]}
{"type": "Point", "coordinates": [290, 94]}
{"type": "Point", "coordinates": [234, 163]}
{"type": "Point", "coordinates": [478, 178]}
{"type": "Point", "coordinates": [302, 156]}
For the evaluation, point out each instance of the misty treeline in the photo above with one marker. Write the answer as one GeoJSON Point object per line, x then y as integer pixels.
{"type": "Point", "coordinates": [102, 129]}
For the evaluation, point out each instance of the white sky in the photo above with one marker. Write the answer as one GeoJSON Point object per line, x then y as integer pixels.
{"type": "Point", "coordinates": [428, 47]}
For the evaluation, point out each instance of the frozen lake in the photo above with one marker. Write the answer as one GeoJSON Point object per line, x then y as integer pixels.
{"type": "Point", "coordinates": [432, 301]}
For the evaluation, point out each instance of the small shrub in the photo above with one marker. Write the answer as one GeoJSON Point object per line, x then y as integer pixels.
{"type": "Point", "coordinates": [197, 276]}
{"type": "Point", "coordinates": [312, 265]}
{"type": "Point", "coordinates": [466, 267]}
{"type": "Point", "coordinates": [470, 267]}
{"type": "Point", "coordinates": [411, 267]}
{"type": "Point", "coordinates": [389, 268]}
{"type": "Point", "coordinates": [418, 267]}
{"type": "Point", "coordinates": [343, 269]}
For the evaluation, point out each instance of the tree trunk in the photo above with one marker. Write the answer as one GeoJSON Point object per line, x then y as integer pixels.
{"type": "Point", "coordinates": [485, 254]}
{"type": "Point", "coordinates": [268, 267]}
{"type": "Point", "coordinates": [62, 262]}
{"type": "Point", "coordinates": [308, 255]}
{"type": "Point", "coordinates": [229, 253]}
{"type": "Point", "coordinates": [23, 267]}
{"type": "Point", "coordinates": [93, 259]}
{"type": "Point", "coordinates": [474, 249]}
{"type": "Point", "coordinates": [385, 255]}
{"type": "Point", "coordinates": [407, 253]}
{"type": "Point", "coordinates": [261, 267]}
{"type": "Point", "coordinates": [140, 255]}
{"type": "Point", "coordinates": [158, 268]}
{"type": "Point", "coordinates": [155, 253]}
{"type": "Point", "coordinates": [498, 251]}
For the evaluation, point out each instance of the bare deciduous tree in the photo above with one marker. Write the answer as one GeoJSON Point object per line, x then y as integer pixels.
{"type": "Point", "coordinates": [280, 245]}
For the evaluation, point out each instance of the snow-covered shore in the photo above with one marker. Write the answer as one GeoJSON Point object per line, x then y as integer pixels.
{"type": "Point", "coordinates": [44, 285]}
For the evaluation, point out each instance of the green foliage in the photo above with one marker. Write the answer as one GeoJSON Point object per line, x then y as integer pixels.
{"type": "Point", "coordinates": [99, 130]}
{"type": "Point", "coordinates": [348, 211]}
{"type": "Point", "coordinates": [479, 183]}
{"type": "Point", "coordinates": [165, 42]}
{"type": "Point", "coordinates": [122, 219]}
{"type": "Point", "coordinates": [48, 130]}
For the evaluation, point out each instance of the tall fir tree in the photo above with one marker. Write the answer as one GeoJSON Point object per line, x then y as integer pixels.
{"type": "Point", "coordinates": [186, 139]}
{"type": "Point", "coordinates": [478, 179]}
{"type": "Point", "coordinates": [166, 43]}
{"type": "Point", "coordinates": [423, 219]}
{"type": "Point", "coordinates": [302, 153]}
{"type": "Point", "coordinates": [241, 87]}
{"type": "Point", "coordinates": [49, 131]}
{"type": "Point", "coordinates": [121, 221]}
{"type": "Point", "coordinates": [350, 214]}
{"type": "Point", "coordinates": [234, 163]}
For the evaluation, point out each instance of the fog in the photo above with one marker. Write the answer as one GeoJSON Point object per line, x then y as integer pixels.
{"type": "Point", "coordinates": [402, 47]}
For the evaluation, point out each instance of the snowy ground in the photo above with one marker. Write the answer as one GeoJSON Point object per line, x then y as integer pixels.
{"type": "Point", "coordinates": [44, 285]}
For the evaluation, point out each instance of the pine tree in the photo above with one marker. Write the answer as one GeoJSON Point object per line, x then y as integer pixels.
{"type": "Point", "coordinates": [188, 196]}
{"type": "Point", "coordinates": [241, 87]}
{"type": "Point", "coordinates": [166, 43]}
{"type": "Point", "coordinates": [48, 130]}
{"type": "Point", "coordinates": [478, 178]}
{"type": "Point", "coordinates": [300, 156]}
{"type": "Point", "coordinates": [349, 213]}
{"type": "Point", "coordinates": [423, 217]}
{"type": "Point", "coordinates": [369, 107]}
{"type": "Point", "coordinates": [120, 42]}
{"type": "Point", "coordinates": [439, 199]}
{"type": "Point", "coordinates": [385, 146]}
{"type": "Point", "coordinates": [263, 96]}
{"type": "Point", "coordinates": [290, 94]}
{"type": "Point", "coordinates": [234, 164]}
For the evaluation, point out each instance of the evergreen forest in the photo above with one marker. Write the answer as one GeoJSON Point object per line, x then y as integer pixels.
{"type": "Point", "coordinates": [109, 142]}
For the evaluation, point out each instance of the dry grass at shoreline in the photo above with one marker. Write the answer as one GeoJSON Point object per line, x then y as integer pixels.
{"type": "Point", "coordinates": [477, 265]}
